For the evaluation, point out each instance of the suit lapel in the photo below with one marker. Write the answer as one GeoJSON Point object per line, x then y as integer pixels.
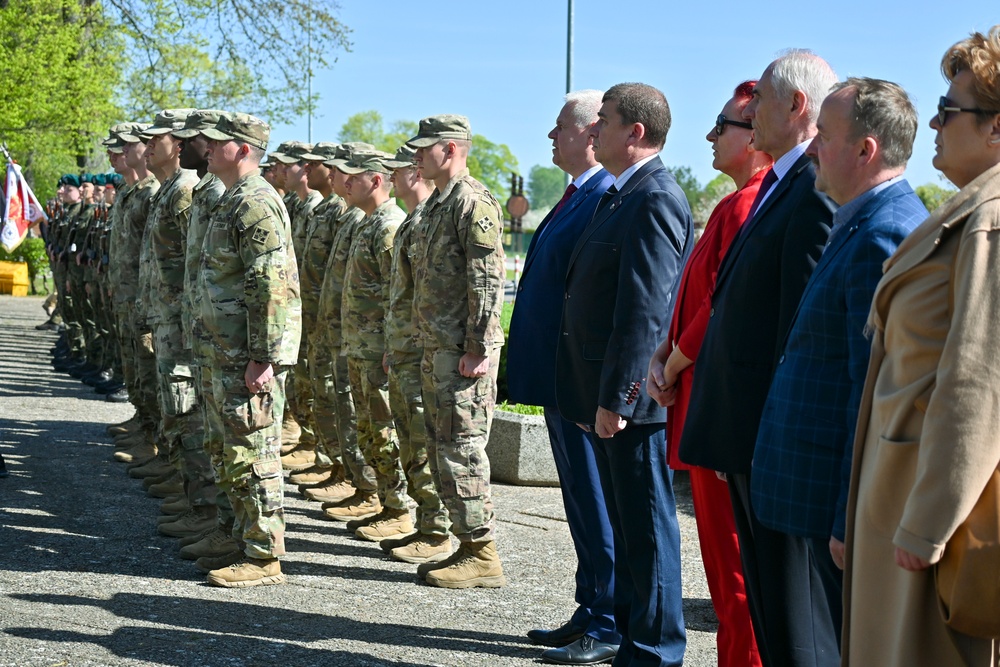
{"type": "Point", "coordinates": [608, 211]}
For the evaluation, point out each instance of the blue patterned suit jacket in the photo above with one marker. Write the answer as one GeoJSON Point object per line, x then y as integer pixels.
{"type": "Point", "coordinates": [802, 459]}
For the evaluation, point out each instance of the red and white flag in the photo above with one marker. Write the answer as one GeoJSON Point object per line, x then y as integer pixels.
{"type": "Point", "coordinates": [21, 208]}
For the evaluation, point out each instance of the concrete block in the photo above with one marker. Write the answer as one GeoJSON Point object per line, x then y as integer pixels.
{"type": "Point", "coordinates": [519, 450]}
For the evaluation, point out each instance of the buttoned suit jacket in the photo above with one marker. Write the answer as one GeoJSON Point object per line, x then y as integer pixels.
{"type": "Point", "coordinates": [757, 291]}
{"type": "Point", "coordinates": [534, 325]}
{"type": "Point", "coordinates": [802, 461]}
{"type": "Point", "coordinates": [620, 287]}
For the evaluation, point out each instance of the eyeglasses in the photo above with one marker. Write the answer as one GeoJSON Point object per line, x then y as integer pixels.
{"type": "Point", "coordinates": [722, 121]}
{"type": "Point", "coordinates": [944, 107]}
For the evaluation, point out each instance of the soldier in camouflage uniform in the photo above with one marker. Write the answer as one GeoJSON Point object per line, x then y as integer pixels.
{"type": "Point", "coordinates": [75, 295]}
{"type": "Point", "coordinates": [366, 284]}
{"type": "Point", "coordinates": [403, 355]}
{"type": "Point", "coordinates": [458, 278]}
{"type": "Point", "coordinates": [364, 501]}
{"type": "Point", "coordinates": [302, 201]}
{"type": "Point", "coordinates": [328, 469]}
{"type": "Point", "coordinates": [135, 208]}
{"type": "Point", "coordinates": [182, 424]}
{"type": "Point", "coordinates": [217, 542]}
{"type": "Point", "coordinates": [251, 314]}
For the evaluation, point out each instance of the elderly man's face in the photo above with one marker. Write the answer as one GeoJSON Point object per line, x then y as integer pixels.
{"type": "Point", "coordinates": [768, 114]}
{"type": "Point", "coordinates": [570, 142]}
{"type": "Point", "coordinates": [833, 150]}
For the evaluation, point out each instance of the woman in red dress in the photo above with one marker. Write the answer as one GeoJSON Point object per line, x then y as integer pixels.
{"type": "Point", "coordinates": [671, 371]}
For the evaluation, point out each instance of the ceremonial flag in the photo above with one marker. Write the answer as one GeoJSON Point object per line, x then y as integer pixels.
{"type": "Point", "coordinates": [21, 208]}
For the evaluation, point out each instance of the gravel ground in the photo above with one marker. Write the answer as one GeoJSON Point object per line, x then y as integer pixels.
{"type": "Point", "coordinates": [85, 579]}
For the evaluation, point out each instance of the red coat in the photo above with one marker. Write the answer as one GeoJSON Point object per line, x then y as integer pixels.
{"type": "Point", "coordinates": [694, 298]}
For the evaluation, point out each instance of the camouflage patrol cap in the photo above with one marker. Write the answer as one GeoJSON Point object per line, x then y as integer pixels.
{"type": "Point", "coordinates": [403, 158]}
{"type": "Point", "coordinates": [436, 128]}
{"type": "Point", "coordinates": [324, 150]}
{"type": "Point", "coordinates": [241, 127]}
{"type": "Point", "coordinates": [288, 152]}
{"type": "Point", "coordinates": [115, 130]}
{"type": "Point", "coordinates": [297, 150]}
{"type": "Point", "coordinates": [198, 120]}
{"type": "Point", "coordinates": [118, 146]}
{"type": "Point", "coordinates": [134, 135]}
{"type": "Point", "coordinates": [361, 162]}
{"type": "Point", "coordinates": [167, 121]}
{"type": "Point", "coordinates": [346, 150]}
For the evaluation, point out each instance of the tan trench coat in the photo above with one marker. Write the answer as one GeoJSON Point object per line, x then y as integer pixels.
{"type": "Point", "coordinates": [928, 431]}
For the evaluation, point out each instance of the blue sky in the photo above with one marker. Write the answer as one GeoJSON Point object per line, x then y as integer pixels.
{"type": "Point", "coordinates": [502, 64]}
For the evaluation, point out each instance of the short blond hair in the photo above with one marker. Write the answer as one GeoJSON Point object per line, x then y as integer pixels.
{"type": "Point", "coordinates": [980, 55]}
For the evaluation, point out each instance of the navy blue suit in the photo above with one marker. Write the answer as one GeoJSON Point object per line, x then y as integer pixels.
{"type": "Point", "coordinates": [802, 462]}
{"type": "Point", "coordinates": [531, 379]}
{"type": "Point", "coordinates": [620, 286]}
{"type": "Point", "coordinates": [757, 292]}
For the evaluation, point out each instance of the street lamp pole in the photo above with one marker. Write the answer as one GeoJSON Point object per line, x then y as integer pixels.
{"type": "Point", "coordinates": [569, 48]}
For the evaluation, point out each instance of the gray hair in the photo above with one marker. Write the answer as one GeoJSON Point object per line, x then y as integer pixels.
{"type": "Point", "coordinates": [586, 104]}
{"type": "Point", "coordinates": [804, 71]}
{"type": "Point", "coordinates": [883, 110]}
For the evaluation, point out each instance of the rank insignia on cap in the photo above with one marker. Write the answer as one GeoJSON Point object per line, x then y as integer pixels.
{"type": "Point", "coordinates": [485, 224]}
{"type": "Point", "coordinates": [260, 235]}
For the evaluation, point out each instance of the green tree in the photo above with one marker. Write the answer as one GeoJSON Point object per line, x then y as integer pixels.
{"type": "Point", "coordinates": [58, 65]}
{"type": "Point", "coordinates": [933, 195]}
{"type": "Point", "coordinates": [711, 195]}
{"type": "Point", "coordinates": [545, 186]}
{"type": "Point", "coordinates": [490, 163]}
{"type": "Point", "coordinates": [689, 184]}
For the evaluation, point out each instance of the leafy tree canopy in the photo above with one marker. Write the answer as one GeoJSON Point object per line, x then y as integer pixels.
{"type": "Point", "coordinates": [545, 186]}
{"type": "Point", "coordinates": [933, 195]}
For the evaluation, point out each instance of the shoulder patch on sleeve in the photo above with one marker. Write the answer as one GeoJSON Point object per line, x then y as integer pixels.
{"type": "Point", "coordinates": [486, 225]}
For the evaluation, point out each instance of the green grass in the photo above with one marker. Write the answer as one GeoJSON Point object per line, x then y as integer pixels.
{"type": "Point", "coordinates": [520, 409]}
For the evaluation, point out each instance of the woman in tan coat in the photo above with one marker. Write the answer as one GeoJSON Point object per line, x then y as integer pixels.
{"type": "Point", "coordinates": [929, 428]}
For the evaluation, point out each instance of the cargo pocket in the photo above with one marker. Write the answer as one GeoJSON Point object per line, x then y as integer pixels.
{"type": "Point", "coordinates": [268, 485]}
{"type": "Point", "coordinates": [261, 410]}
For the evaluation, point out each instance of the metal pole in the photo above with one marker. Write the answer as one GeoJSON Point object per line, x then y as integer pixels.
{"type": "Point", "coordinates": [569, 48]}
{"type": "Point", "coordinates": [309, 78]}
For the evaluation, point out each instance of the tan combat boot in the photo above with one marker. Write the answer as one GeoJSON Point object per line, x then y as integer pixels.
{"type": "Point", "coordinates": [155, 468]}
{"type": "Point", "coordinates": [173, 485]}
{"type": "Point", "coordinates": [311, 476]}
{"type": "Point", "coordinates": [130, 439]}
{"type": "Point", "coordinates": [478, 565]}
{"type": "Point", "coordinates": [130, 424]}
{"type": "Point", "coordinates": [302, 457]}
{"type": "Point", "coordinates": [331, 492]}
{"type": "Point", "coordinates": [144, 451]}
{"type": "Point", "coordinates": [392, 523]}
{"type": "Point", "coordinates": [196, 520]}
{"type": "Point", "coordinates": [358, 506]}
{"type": "Point", "coordinates": [207, 564]}
{"type": "Point", "coordinates": [150, 481]}
{"type": "Point", "coordinates": [248, 572]}
{"type": "Point", "coordinates": [174, 506]}
{"type": "Point", "coordinates": [422, 549]}
{"type": "Point", "coordinates": [290, 432]}
{"type": "Point", "coordinates": [216, 542]}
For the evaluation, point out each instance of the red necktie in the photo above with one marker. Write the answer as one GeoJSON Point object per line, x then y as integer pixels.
{"type": "Point", "coordinates": [570, 189]}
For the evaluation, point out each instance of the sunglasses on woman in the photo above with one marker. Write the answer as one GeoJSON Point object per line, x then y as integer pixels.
{"type": "Point", "coordinates": [944, 108]}
{"type": "Point", "coordinates": [722, 121]}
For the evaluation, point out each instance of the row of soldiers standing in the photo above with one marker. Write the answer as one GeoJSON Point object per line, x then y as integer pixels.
{"type": "Point", "coordinates": [380, 329]}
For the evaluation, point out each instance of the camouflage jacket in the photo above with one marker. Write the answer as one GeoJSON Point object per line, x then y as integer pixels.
{"type": "Point", "coordinates": [135, 213]}
{"type": "Point", "coordinates": [115, 241]}
{"type": "Point", "coordinates": [203, 197]}
{"type": "Point", "coordinates": [366, 283]}
{"type": "Point", "coordinates": [299, 216]}
{"type": "Point", "coordinates": [247, 278]}
{"type": "Point", "coordinates": [168, 221]}
{"type": "Point", "coordinates": [400, 333]}
{"type": "Point", "coordinates": [332, 292]}
{"type": "Point", "coordinates": [459, 268]}
{"type": "Point", "coordinates": [316, 252]}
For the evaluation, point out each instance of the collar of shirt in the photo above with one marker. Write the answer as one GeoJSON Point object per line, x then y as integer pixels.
{"type": "Point", "coordinates": [585, 176]}
{"type": "Point", "coordinates": [782, 166]}
{"type": "Point", "coordinates": [845, 213]}
{"type": "Point", "coordinates": [627, 174]}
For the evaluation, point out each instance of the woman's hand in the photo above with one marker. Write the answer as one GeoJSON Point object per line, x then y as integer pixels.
{"type": "Point", "coordinates": [909, 562]}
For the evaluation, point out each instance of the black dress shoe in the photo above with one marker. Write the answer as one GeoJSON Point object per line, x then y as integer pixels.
{"type": "Point", "coordinates": [120, 396]}
{"type": "Point", "coordinates": [567, 633]}
{"type": "Point", "coordinates": [584, 651]}
{"type": "Point", "coordinates": [108, 387]}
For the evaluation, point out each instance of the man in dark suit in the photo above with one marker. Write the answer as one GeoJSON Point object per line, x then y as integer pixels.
{"type": "Point", "coordinates": [802, 462]}
{"type": "Point", "coordinates": [531, 376]}
{"type": "Point", "coordinates": [622, 277]}
{"type": "Point", "coordinates": [757, 290]}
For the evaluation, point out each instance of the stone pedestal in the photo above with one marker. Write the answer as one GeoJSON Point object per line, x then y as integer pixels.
{"type": "Point", "coordinates": [519, 450]}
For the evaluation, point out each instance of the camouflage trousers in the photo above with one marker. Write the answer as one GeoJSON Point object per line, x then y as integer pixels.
{"type": "Point", "coordinates": [458, 412]}
{"type": "Point", "coordinates": [376, 431]}
{"type": "Point", "coordinates": [247, 458]}
{"type": "Point", "coordinates": [335, 417]}
{"type": "Point", "coordinates": [214, 439]}
{"type": "Point", "coordinates": [127, 359]}
{"type": "Point", "coordinates": [298, 390]}
{"type": "Point", "coordinates": [183, 425]}
{"type": "Point", "coordinates": [408, 414]}
{"type": "Point", "coordinates": [145, 394]}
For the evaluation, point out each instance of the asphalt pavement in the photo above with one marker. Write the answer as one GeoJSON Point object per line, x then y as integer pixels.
{"type": "Point", "coordinates": [85, 579]}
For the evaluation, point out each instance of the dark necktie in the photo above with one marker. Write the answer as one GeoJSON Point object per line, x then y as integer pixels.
{"type": "Point", "coordinates": [570, 189]}
{"type": "Point", "coordinates": [607, 197]}
{"type": "Point", "coordinates": [770, 178]}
